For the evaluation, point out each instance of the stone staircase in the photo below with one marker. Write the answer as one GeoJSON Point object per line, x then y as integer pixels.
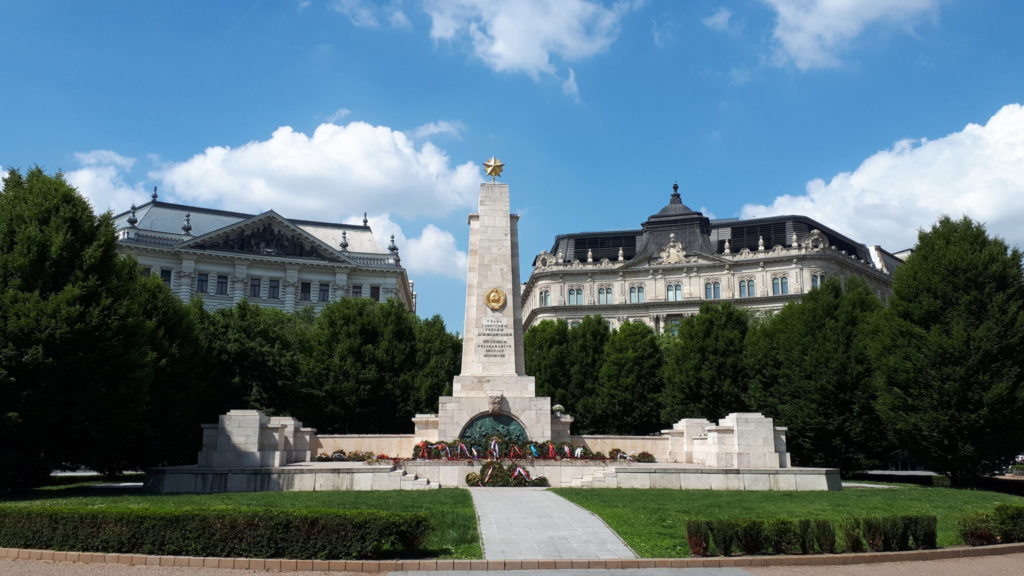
{"type": "Point", "coordinates": [605, 478]}
{"type": "Point", "coordinates": [408, 481]}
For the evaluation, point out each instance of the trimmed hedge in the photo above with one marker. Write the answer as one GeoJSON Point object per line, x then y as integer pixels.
{"type": "Point", "coordinates": [1003, 525]}
{"type": "Point", "coordinates": [784, 536]}
{"type": "Point", "coordinates": [297, 534]}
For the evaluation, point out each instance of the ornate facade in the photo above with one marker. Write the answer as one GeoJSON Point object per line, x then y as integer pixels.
{"type": "Point", "coordinates": [680, 259]}
{"type": "Point", "coordinates": [222, 257]}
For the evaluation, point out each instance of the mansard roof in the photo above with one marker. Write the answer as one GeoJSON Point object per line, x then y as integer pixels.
{"type": "Point", "coordinates": [697, 234]}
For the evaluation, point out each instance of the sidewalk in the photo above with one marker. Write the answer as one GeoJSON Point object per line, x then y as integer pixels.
{"type": "Point", "coordinates": [535, 524]}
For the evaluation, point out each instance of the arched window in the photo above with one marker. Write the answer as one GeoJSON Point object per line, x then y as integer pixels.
{"type": "Point", "coordinates": [780, 285]}
{"type": "Point", "coordinates": [712, 290]}
{"type": "Point", "coordinates": [575, 296]}
{"type": "Point", "coordinates": [545, 298]}
{"type": "Point", "coordinates": [636, 294]}
{"type": "Point", "coordinates": [817, 280]}
{"type": "Point", "coordinates": [747, 289]}
{"type": "Point", "coordinates": [674, 293]}
{"type": "Point", "coordinates": [604, 295]}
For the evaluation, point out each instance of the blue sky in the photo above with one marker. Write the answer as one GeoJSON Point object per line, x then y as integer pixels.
{"type": "Point", "coordinates": [872, 116]}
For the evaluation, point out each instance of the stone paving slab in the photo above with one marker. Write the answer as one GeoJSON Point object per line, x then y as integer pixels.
{"type": "Point", "coordinates": [535, 524]}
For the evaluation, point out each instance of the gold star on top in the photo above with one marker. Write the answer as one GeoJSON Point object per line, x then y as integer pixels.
{"type": "Point", "coordinates": [493, 168]}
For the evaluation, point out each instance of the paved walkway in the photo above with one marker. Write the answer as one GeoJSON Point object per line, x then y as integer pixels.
{"type": "Point", "coordinates": [535, 524]}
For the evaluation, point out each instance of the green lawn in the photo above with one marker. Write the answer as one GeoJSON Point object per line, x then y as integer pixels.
{"type": "Point", "coordinates": [454, 536]}
{"type": "Point", "coordinates": [652, 521]}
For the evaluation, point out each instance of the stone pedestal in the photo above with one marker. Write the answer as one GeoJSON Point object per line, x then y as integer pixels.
{"type": "Point", "coordinates": [251, 439]}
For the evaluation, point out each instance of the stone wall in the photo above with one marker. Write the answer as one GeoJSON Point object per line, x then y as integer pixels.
{"type": "Point", "coordinates": [394, 445]}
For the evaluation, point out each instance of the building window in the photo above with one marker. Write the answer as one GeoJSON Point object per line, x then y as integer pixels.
{"type": "Point", "coordinates": [604, 295]}
{"type": "Point", "coordinates": [672, 326]}
{"type": "Point", "coordinates": [747, 289]}
{"type": "Point", "coordinates": [674, 293]}
{"type": "Point", "coordinates": [305, 292]}
{"type": "Point", "coordinates": [817, 280]}
{"type": "Point", "coordinates": [575, 296]}
{"type": "Point", "coordinates": [375, 293]}
{"type": "Point", "coordinates": [222, 285]}
{"type": "Point", "coordinates": [254, 287]}
{"type": "Point", "coordinates": [165, 275]}
{"type": "Point", "coordinates": [545, 298]}
{"type": "Point", "coordinates": [202, 283]}
{"type": "Point", "coordinates": [712, 290]}
{"type": "Point", "coordinates": [636, 294]}
{"type": "Point", "coordinates": [274, 289]}
{"type": "Point", "coordinates": [324, 292]}
{"type": "Point", "coordinates": [357, 291]}
{"type": "Point", "coordinates": [780, 285]}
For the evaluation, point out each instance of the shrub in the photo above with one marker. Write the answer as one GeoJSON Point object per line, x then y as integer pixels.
{"type": "Point", "coordinates": [895, 534]}
{"type": "Point", "coordinates": [978, 529]}
{"type": "Point", "coordinates": [645, 457]}
{"type": "Point", "coordinates": [923, 531]}
{"type": "Point", "coordinates": [782, 536]}
{"type": "Point", "coordinates": [751, 536]}
{"type": "Point", "coordinates": [698, 536]}
{"type": "Point", "coordinates": [1017, 469]}
{"type": "Point", "coordinates": [852, 541]}
{"type": "Point", "coordinates": [825, 537]}
{"type": "Point", "coordinates": [805, 535]}
{"type": "Point", "coordinates": [724, 532]}
{"type": "Point", "coordinates": [872, 531]}
{"type": "Point", "coordinates": [472, 479]}
{"type": "Point", "coordinates": [301, 534]}
{"type": "Point", "coordinates": [1010, 523]}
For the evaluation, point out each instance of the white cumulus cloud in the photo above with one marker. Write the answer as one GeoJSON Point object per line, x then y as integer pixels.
{"type": "Point", "coordinates": [101, 179]}
{"type": "Point", "coordinates": [527, 35]}
{"type": "Point", "coordinates": [974, 172]}
{"type": "Point", "coordinates": [813, 33]}
{"type": "Point", "coordinates": [432, 252]}
{"type": "Point", "coordinates": [337, 171]}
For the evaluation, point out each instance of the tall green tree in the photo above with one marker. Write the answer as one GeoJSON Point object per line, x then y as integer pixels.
{"type": "Point", "coordinates": [810, 369]}
{"type": "Point", "coordinates": [951, 366]}
{"type": "Point", "coordinates": [546, 347]}
{"type": "Point", "coordinates": [75, 381]}
{"type": "Point", "coordinates": [630, 382]}
{"type": "Point", "coordinates": [585, 356]}
{"type": "Point", "coordinates": [438, 360]}
{"type": "Point", "coordinates": [361, 363]}
{"type": "Point", "coordinates": [704, 372]}
{"type": "Point", "coordinates": [255, 355]}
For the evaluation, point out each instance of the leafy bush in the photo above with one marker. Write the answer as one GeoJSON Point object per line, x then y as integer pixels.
{"type": "Point", "coordinates": [851, 532]}
{"type": "Point", "coordinates": [825, 536]}
{"type": "Point", "coordinates": [1017, 469]}
{"type": "Point", "coordinates": [724, 532]}
{"type": "Point", "coordinates": [923, 531]}
{"type": "Point", "coordinates": [895, 534]}
{"type": "Point", "coordinates": [1010, 523]}
{"type": "Point", "coordinates": [782, 536]}
{"type": "Point", "coordinates": [645, 457]}
{"type": "Point", "coordinates": [871, 529]}
{"type": "Point", "coordinates": [301, 534]}
{"type": "Point", "coordinates": [751, 536]}
{"type": "Point", "coordinates": [805, 531]}
{"type": "Point", "coordinates": [979, 529]}
{"type": "Point", "coordinates": [698, 536]}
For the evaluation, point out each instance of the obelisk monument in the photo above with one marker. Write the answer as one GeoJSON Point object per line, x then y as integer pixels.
{"type": "Point", "coordinates": [493, 394]}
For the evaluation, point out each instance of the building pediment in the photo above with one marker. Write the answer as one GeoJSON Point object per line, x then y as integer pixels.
{"type": "Point", "coordinates": [267, 234]}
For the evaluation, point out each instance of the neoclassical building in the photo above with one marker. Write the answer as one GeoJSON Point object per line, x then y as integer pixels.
{"type": "Point", "coordinates": [222, 257]}
{"type": "Point", "coordinates": [680, 259]}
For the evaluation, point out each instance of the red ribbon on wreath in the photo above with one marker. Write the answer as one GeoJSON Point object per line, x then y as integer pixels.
{"type": "Point", "coordinates": [515, 452]}
{"type": "Point", "coordinates": [423, 449]}
{"type": "Point", "coordinates": [520, 471]}
{"type": "Point", "coordinates": [551, 451]}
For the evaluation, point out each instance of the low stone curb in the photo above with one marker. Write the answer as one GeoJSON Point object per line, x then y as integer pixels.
{"type": "Point", "coordinates": [280, 565]}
